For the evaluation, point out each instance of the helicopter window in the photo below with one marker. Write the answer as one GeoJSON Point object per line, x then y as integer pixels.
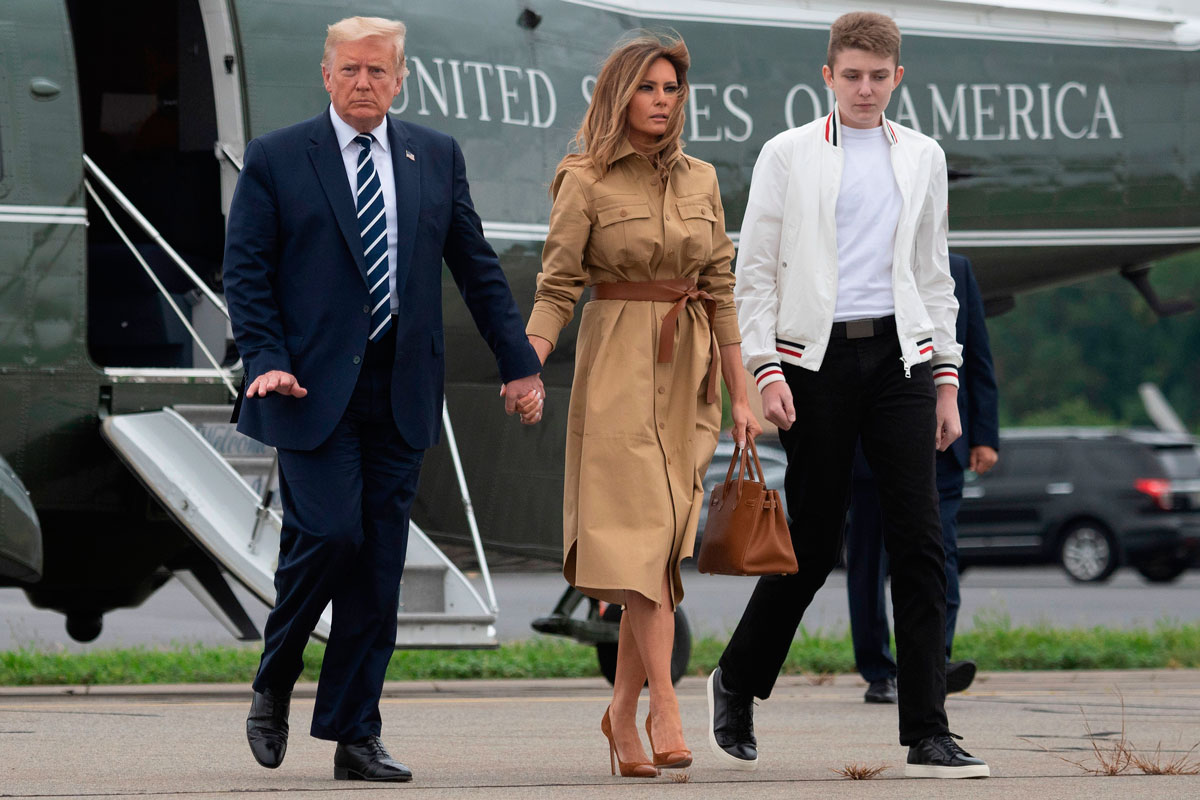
{"type": "Point", "coordinates": [149, 122]}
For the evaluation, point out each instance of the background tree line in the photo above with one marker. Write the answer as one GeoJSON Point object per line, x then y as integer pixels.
{"type": "Point", "coordinates": [1075, 355]}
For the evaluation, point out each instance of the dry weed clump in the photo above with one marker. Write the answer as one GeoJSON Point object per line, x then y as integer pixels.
{"type": "Point", "coordinates": [860, 772]}
{"type": "Point", "coordinates": [681, 777]}
{"type": "Point", "coordinates": [1156, 765]}
{"type": "Point", "coordinates": [819, 678]}
{"type": "Point", "coordinates": [1120, 756]}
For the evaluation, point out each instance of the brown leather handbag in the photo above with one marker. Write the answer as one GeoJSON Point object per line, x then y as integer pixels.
{"type": "Point", "coordinates": [747, 531]}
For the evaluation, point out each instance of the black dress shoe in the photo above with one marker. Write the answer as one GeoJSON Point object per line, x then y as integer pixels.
{"type": "Point", "coordinates": [731, 725]}
{"type": "Point", "coordinates": [941, 757]}
{"type": "Point", "coordinates": [267, 727]}
{"type": "Point", "coordinates": [367, 760]}
{"type": "Point", "coordinates": [959, 675]}
{"type": "Point", "coordinates": [881, 691]}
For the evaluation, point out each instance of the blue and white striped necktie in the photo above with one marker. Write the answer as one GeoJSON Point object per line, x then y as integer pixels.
{"type": "Point", "coordinates": [372, 223]}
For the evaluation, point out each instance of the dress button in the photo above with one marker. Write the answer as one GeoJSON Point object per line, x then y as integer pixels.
{"type": "Point", "coordinates": [662, 390]}
{"type": "Point", "coordinates": [624, 213]}
{"type": "Point", "coordinates": [662, 426]}
{"type": "Point", "coordinates": [670, 253]}
{"type": "Point", "coordinates": [357, 359]}
{"type": "Point", "coordinates": [668, 217]}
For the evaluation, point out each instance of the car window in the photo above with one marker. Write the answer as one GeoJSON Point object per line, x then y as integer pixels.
{"type": "Point", "coordinates": [1031, 459]}
{"type": "Point", "coordinates": [1117, 458]}
{"type": "Point", "coordinates": [1180, 462]}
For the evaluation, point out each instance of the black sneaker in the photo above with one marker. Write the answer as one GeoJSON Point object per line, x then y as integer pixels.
{"type": "Point", "coordinates": [731, 726]}
{"type": "Point", "coordinates": [959, 675]}
{"type": "Point", "coordinates": [881, 691]}
{"type": "Point", "coordinates": [940, 757]}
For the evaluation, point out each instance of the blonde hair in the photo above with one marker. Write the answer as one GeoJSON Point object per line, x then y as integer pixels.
{"type": "Point", "coordinates": [352, 29]}
{"type": "Point", "coordinates": [605, 124]}
{"type": "Point", "coordinates": [864, 30]}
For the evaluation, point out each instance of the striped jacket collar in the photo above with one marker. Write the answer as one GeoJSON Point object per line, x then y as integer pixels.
{"type": "Point", "coordinates": [833, 128]}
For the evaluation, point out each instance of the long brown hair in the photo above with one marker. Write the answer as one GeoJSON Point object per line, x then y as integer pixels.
{"type": "Point", "coordinates": [605, 123]}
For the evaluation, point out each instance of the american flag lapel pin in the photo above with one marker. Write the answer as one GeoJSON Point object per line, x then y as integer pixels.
{"type": "Point", "coordinates": [409, 155]}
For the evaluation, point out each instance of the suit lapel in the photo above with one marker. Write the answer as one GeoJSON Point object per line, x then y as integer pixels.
{"type": "Point", "coordinates": [406, 165]}
{"type": "Point", "coordinates": [331, 171]}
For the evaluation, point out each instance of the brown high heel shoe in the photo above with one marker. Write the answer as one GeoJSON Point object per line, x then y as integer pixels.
{"type": "Point", "coordinates": [674, 759]}
{"type": "Point", "coordinates": [633, 770]}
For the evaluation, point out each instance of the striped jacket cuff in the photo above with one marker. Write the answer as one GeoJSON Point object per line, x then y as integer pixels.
{"type": "Point", "coordinates": [945, 373]}
{"type": "Point", "coordinates": [767, 374]}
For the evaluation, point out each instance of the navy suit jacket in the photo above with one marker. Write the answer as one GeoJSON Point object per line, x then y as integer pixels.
{"type": "Point", "coordinates": [977, 396]}
{"type": "Point", "coordinates": [295, 280]}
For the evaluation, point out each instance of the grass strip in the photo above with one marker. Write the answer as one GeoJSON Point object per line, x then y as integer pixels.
{"type": "Point", "coordinates": [994, 645]}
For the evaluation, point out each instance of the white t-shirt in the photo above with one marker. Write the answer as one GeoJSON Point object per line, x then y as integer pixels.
{"type": "Point", "coordinates": [868, 208]}
{"type": "Point", "coordinates": [381, 154]}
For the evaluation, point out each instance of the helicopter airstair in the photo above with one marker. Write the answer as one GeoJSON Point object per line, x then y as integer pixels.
{"type": "Point", "coordinates": [222, 488]}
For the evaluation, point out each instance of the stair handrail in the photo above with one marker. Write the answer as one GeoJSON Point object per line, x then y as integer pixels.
{"type": "Point", "coordinates": [224, 151]}
{"type": "Point", "coordinates": [223, 373]}
{"type": "Point", "coordinates": [265, 498]}
{"type": "Point", "coordinates": [129, 208]}
{"type": "Point", "coordinates": [468, 507]}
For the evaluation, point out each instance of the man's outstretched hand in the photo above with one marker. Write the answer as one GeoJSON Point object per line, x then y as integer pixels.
{"type": "Point", "coordinates": [276, 380]}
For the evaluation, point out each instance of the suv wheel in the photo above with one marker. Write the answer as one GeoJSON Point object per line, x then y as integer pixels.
{"type": "Point", "coordinates": [1162, 570]}
{"type": "Point", "coordinates": [1087, 552]}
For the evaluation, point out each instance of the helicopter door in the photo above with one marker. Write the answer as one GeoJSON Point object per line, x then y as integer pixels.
{"type": "Point", "coordinates": [149, 124]}
{"type": "Point", "coordinates": [41, 213]}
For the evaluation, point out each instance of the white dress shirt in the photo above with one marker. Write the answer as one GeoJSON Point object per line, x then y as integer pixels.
{"type": "Point", "coordinates": [381, 153]}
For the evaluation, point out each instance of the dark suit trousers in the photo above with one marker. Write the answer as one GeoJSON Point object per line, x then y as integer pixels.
{"type": "Point", "coordinates": [867, 567]}
{"type": "Point", "coordinates": [345, 532]}
{"type": "Point", "coordinates": [860, 391]}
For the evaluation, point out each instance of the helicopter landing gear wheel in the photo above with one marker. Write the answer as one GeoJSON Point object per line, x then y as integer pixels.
{"type": "Point", "coordinates": [681, 654]}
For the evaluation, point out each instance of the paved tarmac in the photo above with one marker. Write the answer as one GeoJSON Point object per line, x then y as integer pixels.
{"type": "Point", "coordinates": [540, 739]}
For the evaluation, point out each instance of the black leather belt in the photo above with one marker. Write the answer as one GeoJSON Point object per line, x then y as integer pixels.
{"type": "Point", "coordinates": [864, 328]}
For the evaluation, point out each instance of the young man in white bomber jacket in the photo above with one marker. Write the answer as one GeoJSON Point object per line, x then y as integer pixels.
{"type": "Point", "coordinates": [847, 312]}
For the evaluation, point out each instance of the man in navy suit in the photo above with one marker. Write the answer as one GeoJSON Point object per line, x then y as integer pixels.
{"type": "Point", "coordinates": [333, 269]}
{"type": "Point", "coordinates": [976, 449]}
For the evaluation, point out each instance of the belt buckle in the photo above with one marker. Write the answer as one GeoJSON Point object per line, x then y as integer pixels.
{"type": "Point", "coordinates": [860, 328]}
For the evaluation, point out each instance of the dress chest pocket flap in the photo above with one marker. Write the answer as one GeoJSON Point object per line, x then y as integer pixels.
{"type": "Point", "coordinates": [693, 210]}
{"type": "Point", "coordinates": [622, 213]}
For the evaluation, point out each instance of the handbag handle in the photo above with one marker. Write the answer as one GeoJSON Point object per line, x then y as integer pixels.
{"type": "Point", "coordinates": [762, 478]}
{"type": "Point", "coordinates": [742, 458]}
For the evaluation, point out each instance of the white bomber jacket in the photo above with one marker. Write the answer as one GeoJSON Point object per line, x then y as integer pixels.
{"type": "Point", "coordinates": [787, 266]}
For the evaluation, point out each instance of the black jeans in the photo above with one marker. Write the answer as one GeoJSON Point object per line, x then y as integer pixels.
{"type": "Point", "coordinates": [860, 391]}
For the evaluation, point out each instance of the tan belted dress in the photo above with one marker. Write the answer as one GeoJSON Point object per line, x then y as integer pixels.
{"type": "Point", "coordinates": [640, 431]}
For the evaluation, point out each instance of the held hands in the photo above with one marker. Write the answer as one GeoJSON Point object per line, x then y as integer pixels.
{"type": "Point", "coordinates": [528, 401]}
{"type": "Point", "coordinates": [949, 427]}
{"type": "Point", "coordinates": [276, 381]}
{"type": "Point", "coordinates": [525, 396]}
{"type": "Point", "coordinates": [777, 405]}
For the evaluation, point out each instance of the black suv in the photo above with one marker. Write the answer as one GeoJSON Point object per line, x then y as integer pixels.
{"type": "Point", "coordinates": [1089, 499]}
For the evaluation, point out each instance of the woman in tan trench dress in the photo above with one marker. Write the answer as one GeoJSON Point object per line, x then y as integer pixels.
{"type": "Point", "coordinates": [642, 224]}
